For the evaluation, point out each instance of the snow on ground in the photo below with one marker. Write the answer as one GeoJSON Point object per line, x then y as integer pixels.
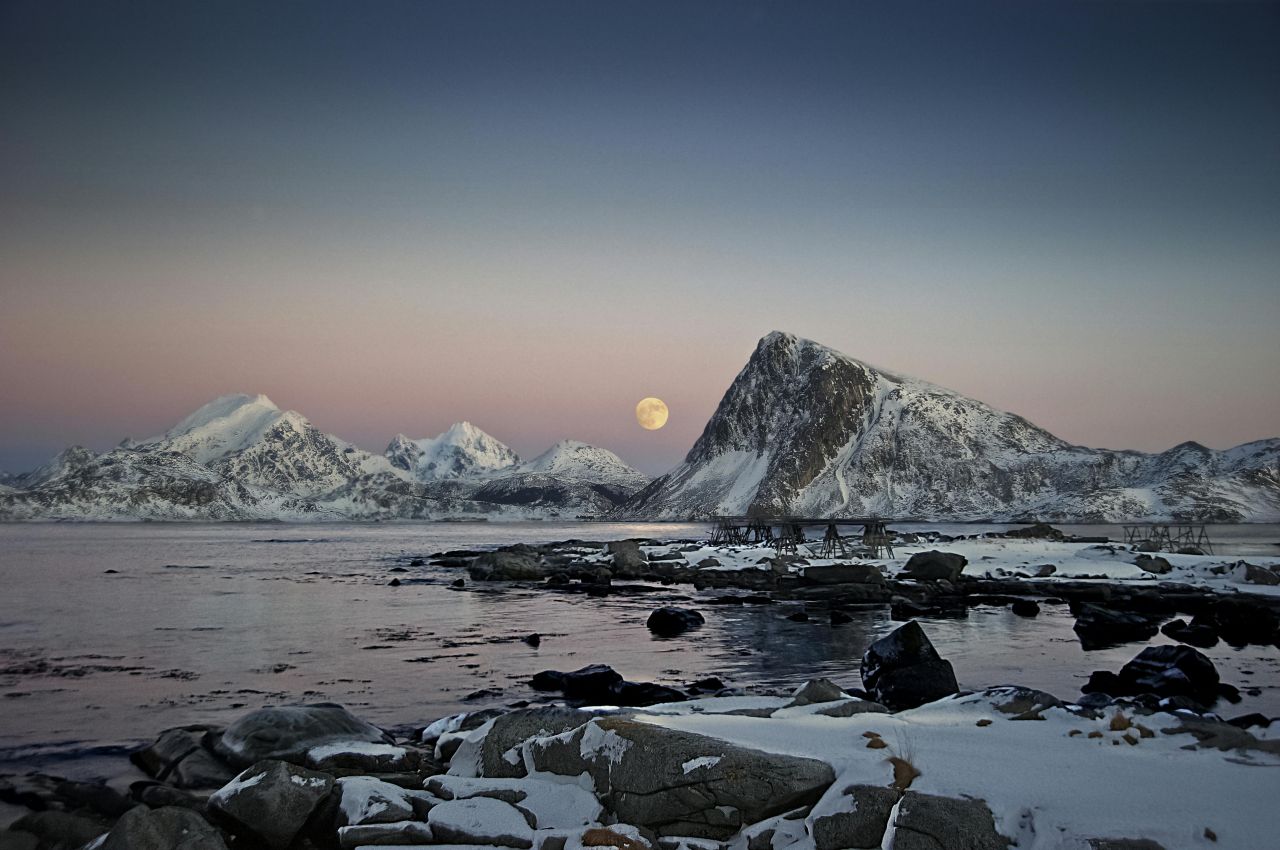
{"type": "Point", "coordinates": [1048, 782]}
{"type": "Point", "coordinates": [1004, 557]}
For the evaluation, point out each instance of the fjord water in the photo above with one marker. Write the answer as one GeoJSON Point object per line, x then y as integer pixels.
{"type": "Point", "coordinates": [111, 632]}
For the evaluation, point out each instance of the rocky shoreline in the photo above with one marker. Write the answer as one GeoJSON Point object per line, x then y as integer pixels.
{"type": "Point", "coordinates": [1142, 758]}
{"type": "Point", "coordinates": [906, 761]}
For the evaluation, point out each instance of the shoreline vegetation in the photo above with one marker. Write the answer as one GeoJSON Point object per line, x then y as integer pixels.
{"type": "Point", "coordinates": [1141, 758]}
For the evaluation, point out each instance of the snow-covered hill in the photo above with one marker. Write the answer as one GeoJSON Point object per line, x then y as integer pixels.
{"type": "Point", "coordinates": [241, 458]}
{"type": "Point", "coordinates": [807, 430]}
{"type": "Point", "coordinates": [462, 452]}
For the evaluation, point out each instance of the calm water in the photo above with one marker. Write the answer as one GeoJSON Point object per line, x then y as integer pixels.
{"type": "Point", "coordinates": [200, 623]}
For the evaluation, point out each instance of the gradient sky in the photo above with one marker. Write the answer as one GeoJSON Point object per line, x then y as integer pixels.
{"type": "Point", "coordinates": [395, 215]}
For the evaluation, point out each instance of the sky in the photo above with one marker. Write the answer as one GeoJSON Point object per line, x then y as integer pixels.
{"type": "Point", "coordinates": [392, 216]}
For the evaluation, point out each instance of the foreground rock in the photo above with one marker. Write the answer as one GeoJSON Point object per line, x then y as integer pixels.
{"type": "Point", "coordinates": [168, 828]}
{"type": "Point", "coordinates": [271, 802]}
{"type": "Point", "coordinates": [599, 684]}
{"type": "Point", "coordinates": [289, 732]}
{"type": "Point", "coordinates": [934, 566]}
{"type": "Point", "coordinates": [671, 621]}
{"type": "Point", "coordinates": [679, 783]}
{"type": "Point", "coordinates": [903, 670]}
{"type": "Point", "coordinates": [1163, 671]}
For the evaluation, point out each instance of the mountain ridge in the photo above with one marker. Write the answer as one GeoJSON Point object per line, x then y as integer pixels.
{"type": "Point", "coordinates": [805, 429]}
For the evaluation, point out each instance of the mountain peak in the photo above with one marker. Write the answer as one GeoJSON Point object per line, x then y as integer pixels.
{"type": "Point", "coordinates": [462, 451]}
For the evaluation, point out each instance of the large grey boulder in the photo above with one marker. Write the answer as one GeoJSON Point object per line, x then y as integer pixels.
{"type": "Point", "coordinates": [507, 566]}
{"type": "Point", "coordinates": [171, 747]}
{"type": "Point", "coordinates": [365, 800]}
{"type": "Point", "coordinates": [271, 801]}
{"type": "Point", "coordinates": [500, 754]}
{"type": "Point", "coordinates": [926, 822]}
{"type": "Point", "coordinates": [287, 732]}
{"type": "Point", "coordinates": [855, 817]}
{"type": "Point", "coordinates": [480, 820]}
{"type": "Point", "coordinates": [680, 783]}
{"type": "Point", "coordinates": [628, 559]}
{"type": "Point", "coordinates": [671, 620]}
{"type": "Point", "coordinates": [168, 828]}
{"type": "Point", "coordinates": [902, 670]}
{"type": "Point", "coordinates": [934, 566]}
{"type": "Point", "coordinates": [201, 769]}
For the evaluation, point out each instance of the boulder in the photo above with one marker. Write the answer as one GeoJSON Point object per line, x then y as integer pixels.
{"type": "Point", "coordinates": [590, 683]}
{"type": "Point", "coordinates": [1153, 564]}
{"type": "Point", "coordinates": [1099, 627]}
{"type": "Point", "coordinates": [499, 756]}
{"type": "Point", "coordinates": [903, 670]}
{"type": "Point", "coordinates": [1241, 622]}
{"type": "Point", "coordinates": [398, 834]}
{"type": "Point", "coordinates": [843, 574]}
{"type": "Point", "coordinates": [817, 690]}
{"type": "Point", "coordinates": [850, 707]}
{"type": "Point", "coordinates": [856, 817]}
{"type": "Point", "coordinates": [480, 820]}
{"type": "Point", "coordinates": [1036, 531]}
{"type": "Point", "coordinates": [361, 757]}
{"type": "Point", "coordinates": [171, 747]}
{"type": "Point", "coordinates": [507, 565]}
{"type": "Point", "coordinates": [271, 801]}
{"type": "Point", "coordinates": [168, 828]}
{"type": "Point", "coordinates": [670, 621]}
{"type": "Point", "coordinates": [550, 805]}
{"type": "Point", "coordinates": [934, 566]}
{"type": "Point", "coordinates": [56, 830]}
{"type": "Point", "coordinates": [628, 559]}
{"type": "Point", "coordinates": [201, 769]}
{"type": "Point", "coordinates": [1025, 607]}
{"type": "Point", "coordinates": [679, 783]}
{"type": "Point", "coordinates": [289, 732]}
{"type": "Point", "coordinates": [1169, 671]}
{"type": "Point", "coordinates": [365, 800]}
{"type": "Point", "coordinates": [1200, 634]}
{"type": "Point", "coordinates": [1253, 574]}
{"type": "Point", "coordinates": [927, 822]}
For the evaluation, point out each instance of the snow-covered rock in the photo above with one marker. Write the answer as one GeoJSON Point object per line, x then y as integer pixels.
{"type": "Point", "coordinates": [807, 430]}
{"type": "Point", "coordinates": [462, 452]}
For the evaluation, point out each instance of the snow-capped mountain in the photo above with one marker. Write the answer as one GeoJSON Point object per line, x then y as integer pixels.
{"type": "Point", "coordinates": [242, 458]}
{"type": "Point", "coordinates": [574, 459]}
{"type": "Point", "coordinates": [806, 430]}
{"type": "Point", "coordinates": [462, 452]}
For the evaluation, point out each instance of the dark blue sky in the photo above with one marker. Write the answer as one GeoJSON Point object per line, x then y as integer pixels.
{"type": "Point", "coordinates": [391, 216]}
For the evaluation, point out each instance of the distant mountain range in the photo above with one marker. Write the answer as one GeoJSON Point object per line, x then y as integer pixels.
{"type": "Point", "coordinates": [242, 458]}
{"type": "Point", "coordinates": [807, 430]}
{"type": "Point", "coordinates": [802, 430]}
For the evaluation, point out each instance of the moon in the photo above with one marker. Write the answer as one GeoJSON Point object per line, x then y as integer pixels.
{"type": "Point", "coordinates": [651, 413]}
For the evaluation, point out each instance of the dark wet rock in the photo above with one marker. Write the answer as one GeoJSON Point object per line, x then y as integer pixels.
{"type": "Point", "coordinates": [798, 616]}
{"type": "Point", "coordinates": [680, 783]}
{"type": "Point", "coordinates": [585, 683]}
{"type": "Point", "coordinates": [903, 670]}
{"type": "Point", "coordinates": [57, 830]}
{"type": "Point", "coordinates": [458, 582]}
{"type": "Point", "coordinates": [709, 685]}
{"type": "Point", "coordinates": [839, 618]}
{"type": "Point", "coordinates": [171, 747]}
{"type": "Point", "coordinates": [167, 828]}
{"type": "Point", "coordinates": [1165, 671]}
{"type": "Point", "coordinates": [1153, 564]}
{"type": "Point", "coordinates": [670, 621]}
{"type": "Point", "coordinates": [395, 582]}
{"type": "Point", "coordinates": [644, 693]}
{"type": "Point", "coordinates": [515, 727]}
{"type": "Point", "coordinates": [201, 769]}
{"type": "Point", "coordinates": [101, 799]}
{"type": "Point", "coordinates": [1094, 699]}
{"type": "Point", "coordinates": [934, 566]}
{"type": "Point", "coordinates": [1043, 570]}
{"type": "Point", "coordinates": [927, 822]}
{"type": "Point", "coordinates": [1242, 622]}
{"type": "Point", "coordinates": [936, 606]}
{"type": "Point", "coordinates": [534, 640]}
{"type": "Point", "coordinates": [1202, 635]}
{"type": "Point", "coordinates": [507, 565]}
{"type": "Point", "coordinates": [288, 732]}
{"type": "Point", "coordinates": [271, 801]}
{"type": "Point", "coordinates": [1100, 627]}
{"type": "Point", "coordinates": [843, 574]}
{"type": "Point", "coordinates": [1251, 720]}
{"type": "Point", "coordinates": [1124, 844]}
{"type": "Point", "coordinates": [1025, 607]}
{"type": "Point", "coordinates": [156, 795]}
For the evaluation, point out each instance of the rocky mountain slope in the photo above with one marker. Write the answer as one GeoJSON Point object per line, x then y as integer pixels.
{"type": "Point", "coordinates": [242, 458]}
{"type": "Point", "coordinates": [807, 430]}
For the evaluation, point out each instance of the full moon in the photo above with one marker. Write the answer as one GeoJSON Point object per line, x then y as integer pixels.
{"type": "Point", "coordinates": [651, 413]}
